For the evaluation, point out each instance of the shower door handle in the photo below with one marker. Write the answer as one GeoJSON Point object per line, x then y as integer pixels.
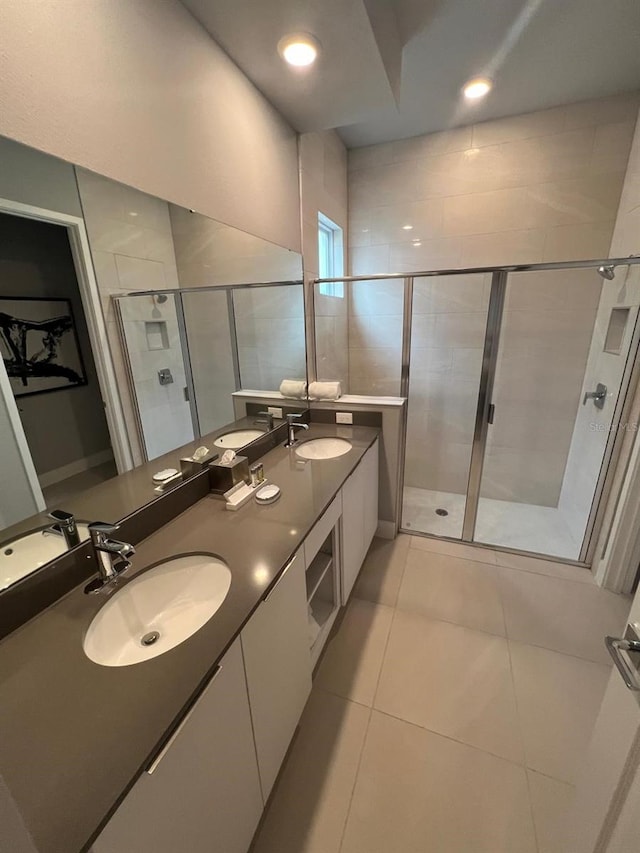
{"type": "Point", "coordinates": [491, 413]}
{"type": "Point", "coordinates": [598, 396]}
{"type": "Point", "coordinates": [628, 668]}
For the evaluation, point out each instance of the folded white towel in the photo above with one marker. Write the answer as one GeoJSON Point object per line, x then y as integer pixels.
{"type": "Point", "coordinates": [324, 390]}
{"type": "Point", "coordinates": [296, 388]}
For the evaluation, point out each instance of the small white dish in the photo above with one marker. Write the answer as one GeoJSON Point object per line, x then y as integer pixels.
{"type": "Point", "coordinates": [268, 494]}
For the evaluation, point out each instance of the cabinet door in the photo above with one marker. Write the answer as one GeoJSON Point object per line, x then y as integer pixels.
{"type": "Point", "coordinates": [370, 470]}
{"type": "Point", "coordinates": [275, 643]}
{"type": "Point", "coordinates": [204, 794]}
{"type": "Point", "coordinates": [352, 531]}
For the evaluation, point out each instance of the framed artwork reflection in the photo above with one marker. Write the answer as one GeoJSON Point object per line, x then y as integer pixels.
{"type": "Point", "coordinates": [39, 345]}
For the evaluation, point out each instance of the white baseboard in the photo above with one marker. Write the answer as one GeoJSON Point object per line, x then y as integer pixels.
{"type": "Point", "coordinates": [75, 467]}
{"type": "Point", "coordinates": [386, 530]}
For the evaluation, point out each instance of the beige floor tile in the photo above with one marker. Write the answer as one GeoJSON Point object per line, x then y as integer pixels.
{"type": "Point", "coordinates": [379, 579]}
{"type": "Point", "coordinates": [455, 590]}
{"type": "Point", "coordinates": [353, 658]}
{"type": "Point", "coordinates": [454, 549]}
{"type": "Point", "coordinates": [550, 801]}
{"type": "Point", "coordinates": [545, 567]}
{"type": "Point", "coordinates": [309, 805]}
{"type": "Point", "coordinates": [417, 791]}
{"type": "Point", "coordinates": [453, 681]}
{"type": "Point", "coordinates": [557, 614]}
{"type": "Point", "coordinates": [558, 701]}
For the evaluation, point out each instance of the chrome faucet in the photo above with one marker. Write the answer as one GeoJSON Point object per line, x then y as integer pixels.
{"type": "Point", "coordinates": [267, 418]}
{"type": "Point", "coordinates": [292, 441]}
{"type": "Point", "coordinates": [65, 525]}
{"type": "Point", "coordinates": [112, 555]}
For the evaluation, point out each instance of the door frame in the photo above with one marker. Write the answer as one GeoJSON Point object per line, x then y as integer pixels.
{"type": "Point", "coordinates": [92, 306]}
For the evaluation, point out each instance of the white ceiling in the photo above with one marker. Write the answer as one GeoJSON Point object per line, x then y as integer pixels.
{"type": "Point", "coordinates": [539, 52]}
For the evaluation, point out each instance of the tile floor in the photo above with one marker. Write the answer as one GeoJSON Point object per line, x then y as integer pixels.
{"type": "Point", "coordinates": [507, 524]}
{"type": "Point", "coordinates": [451, 708]}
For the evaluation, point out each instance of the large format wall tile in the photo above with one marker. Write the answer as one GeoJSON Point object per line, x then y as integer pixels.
{"type": "Point", "coordinates": [544, 186]}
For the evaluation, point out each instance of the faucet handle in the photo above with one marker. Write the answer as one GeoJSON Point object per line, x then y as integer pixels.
{"type": "Point", "coordinates": [61, 516]}
{"type": "Point", "coordinates": [99, 530]}
{"type": "Point", "coordinates": [293, 415]}
{"type": "Point", "coordinates": [103, 526]}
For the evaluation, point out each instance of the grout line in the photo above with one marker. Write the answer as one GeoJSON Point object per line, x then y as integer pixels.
{"type": "Point", "coordinates": [375, 693]}
{"type": "Point", "coordinates": [355, 780]}
{"type": "Point", "coordinates": [520, 727]}
{"type": "Point", "coordinates": [453, 556]}
{"type": "Point", "coordinates": [552, 577]}
{"type": "Point", "coordinates": [552, 778]}
{"type": "Point", "coordinates": [510, 761]}
{"type": "Point", "coordinates": [607, 666]}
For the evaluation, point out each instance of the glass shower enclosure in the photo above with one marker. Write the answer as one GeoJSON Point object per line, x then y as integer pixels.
{"type": "Point", "coordinates": [516, 381]}
{"type": "Point", "coordinates": [187, 351]}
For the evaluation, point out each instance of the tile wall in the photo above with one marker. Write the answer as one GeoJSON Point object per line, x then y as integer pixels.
{"type": "Point", "coordinates": [209, 253]}
{"type": "Point", "coordinates": [132, 249]}
{"type": "Point", "coordinates": [270, 334]}
{"type": "Point", "coordinates": [538, 187]}
{"type": "Point", "coordinates": [323, 188]}
{"type": "Point", "coordinates": [270, 324]}
{"type": "Point", "coordinates": [592, 426]}
{"type": "Point", "coordinates": [164, 412]}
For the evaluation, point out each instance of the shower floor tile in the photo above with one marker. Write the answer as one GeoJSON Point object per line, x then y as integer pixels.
{"type": "Point", "coordinates": [524, 527]}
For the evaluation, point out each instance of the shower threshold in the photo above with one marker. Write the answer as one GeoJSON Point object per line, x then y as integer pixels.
{"type": "Point", "coordinates": [500, 524]}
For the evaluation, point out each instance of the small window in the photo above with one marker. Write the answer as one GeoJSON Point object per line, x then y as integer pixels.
{"type": "Point", "coordinates": [330, 256]}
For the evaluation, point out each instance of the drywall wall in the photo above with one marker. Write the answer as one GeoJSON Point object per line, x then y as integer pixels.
{"type": "Point", "coordinates": [66, 427]}
{"type": "Point", "coordinates": [139, 92]}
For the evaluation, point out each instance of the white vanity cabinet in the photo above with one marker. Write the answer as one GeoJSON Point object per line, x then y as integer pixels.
{"type": "Point", "coordinates": [278, 667]}
{"type": "Point", "coordinates": [359, 517]}
{"type": "Point", "coordinates": [204, 792]}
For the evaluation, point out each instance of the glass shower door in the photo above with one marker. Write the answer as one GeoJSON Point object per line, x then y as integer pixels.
{"type": "Point", "coordinates": [564, 334]}
{"type": "Point", "coordinates": [449, 320]}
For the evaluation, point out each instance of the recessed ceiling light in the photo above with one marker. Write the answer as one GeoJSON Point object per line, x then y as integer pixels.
{"type": "Point", "coordinates": [299, 49]}
{"type": "Point", "coordinates": [478, 87]}
{"type": "Point", "coordinates": [407, 227]}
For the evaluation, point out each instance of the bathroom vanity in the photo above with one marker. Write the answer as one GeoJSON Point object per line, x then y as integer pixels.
{"type": "Point", "coordinates": [181, 750]}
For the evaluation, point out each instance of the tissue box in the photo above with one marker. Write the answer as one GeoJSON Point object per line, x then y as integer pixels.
{"type": "Point", "coordinates": [189, 466]}
{"type": "Point", "coordinates": [223, 477]}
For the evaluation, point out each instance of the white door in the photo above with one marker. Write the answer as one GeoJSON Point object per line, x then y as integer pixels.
{"type": "Point", "coordinates": [24, 498]}
{"type": "Point", "coordinates": [607, 801]}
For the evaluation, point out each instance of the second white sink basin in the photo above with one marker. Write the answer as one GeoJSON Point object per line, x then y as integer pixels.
{"type": "Point", "coordinates": [30, 552]}
{"type": "Point", "coordinates": [323, 448]}
{"type": "Point", "coordinates": [157, 610]}
{"type": "Point", "coordinates": [239, 438]}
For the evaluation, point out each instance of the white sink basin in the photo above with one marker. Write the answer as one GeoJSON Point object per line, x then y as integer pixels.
{"type": "Point", "coordinates": [239, 438]}
{"type": "Point", "coordinates": [323, 448]}
{"type": "Point", "coordinates": [157, 610]}
{"type": "Point", "coordinates": [30, 552]}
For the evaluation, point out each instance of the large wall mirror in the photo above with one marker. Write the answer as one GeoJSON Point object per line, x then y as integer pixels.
{"type": "Point", "coordinates": [128, 328]}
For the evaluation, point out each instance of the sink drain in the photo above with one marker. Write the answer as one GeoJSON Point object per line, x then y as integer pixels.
{"type": "Point", "coordinates": [150, 638]}
{"type": "Point", "coordinates": [441, 511]}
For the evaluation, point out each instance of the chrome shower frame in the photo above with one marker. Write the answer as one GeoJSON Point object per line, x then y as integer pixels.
{"type": "Point", "coordinates": [500, 274]}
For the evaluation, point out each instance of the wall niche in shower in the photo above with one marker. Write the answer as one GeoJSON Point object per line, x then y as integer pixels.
{"type": "Point", "coordinates": [614, 339]}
